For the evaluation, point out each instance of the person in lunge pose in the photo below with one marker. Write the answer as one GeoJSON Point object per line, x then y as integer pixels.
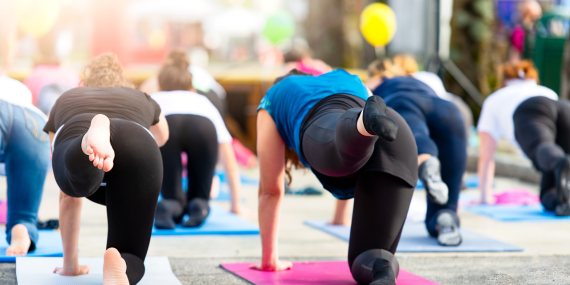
{"type": "Point", "coordinates": [197, 128]}
{"type": "Point", "coordinates": [356, 146]}
{"type": "Point", "coordinates": [105, 139]}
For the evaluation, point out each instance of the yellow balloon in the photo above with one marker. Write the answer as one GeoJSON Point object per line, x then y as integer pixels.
{"type": "Point", "coordinates": [378, 24]}
{"type": "Point", "coordinates": [36, 17]}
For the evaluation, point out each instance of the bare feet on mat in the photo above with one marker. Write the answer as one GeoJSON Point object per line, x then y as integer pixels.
{"type": "Point", "coordinates": [278, 265]}
{"type": "Point", "coordinates": [20, 241]}
{"type": "Point", "coordinates": [114, 268]}
{"type": "Point", "coordinates": [97, 143]}
{"type": "Point", "coordinates": [74, 270]}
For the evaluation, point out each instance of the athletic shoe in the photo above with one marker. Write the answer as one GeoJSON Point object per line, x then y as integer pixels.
{"type": "Point", "coordinates": [383, 274]}
{"type": "Point", "coordinates": [447, 231]}
{"type": "Point", "coordinates": [375, 120]}
{"type": "Point", "coordinates": [562, 173]}
{"type": "Point", "coordinates": [429, 173]}
{"type": "Point", "coordinates": [198, 210]}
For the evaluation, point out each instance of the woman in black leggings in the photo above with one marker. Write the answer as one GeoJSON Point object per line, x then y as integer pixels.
{"type": "Point", "coordinates": [356, 147]}
{"type": "Point", "coordinates": [197, 128]}
{"type": "Point", "coordinates": [542, 129]}
{"type": "Point", "coordinates": [105, 139]}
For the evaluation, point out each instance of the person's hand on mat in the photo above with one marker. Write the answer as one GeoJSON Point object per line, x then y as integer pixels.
{"type": "Point", "coordinates": [279, 265]}
{"type": "Point", "coordinates": [78, 270]}
{"type": "Point", "coordinates": [96, 143]}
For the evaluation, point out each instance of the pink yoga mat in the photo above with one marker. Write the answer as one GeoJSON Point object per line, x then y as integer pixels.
{"type": "Point", "coordinates": [311, 273]}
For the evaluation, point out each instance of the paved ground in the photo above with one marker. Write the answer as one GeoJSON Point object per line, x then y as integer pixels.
{"type": "Point", "coordinates": [196, 259]}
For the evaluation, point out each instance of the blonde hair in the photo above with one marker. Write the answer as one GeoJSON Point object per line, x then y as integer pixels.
{"type": "Point", "coordinates": [385, 69]}
{"type": "Point", "coordinates": [174, 74]}
{"type": "Point", "coordinates": [105, 70]}
{"type": "Point", "coordinates": [520, 70]}
{"type": "Point", "coordinates": [407, 63]}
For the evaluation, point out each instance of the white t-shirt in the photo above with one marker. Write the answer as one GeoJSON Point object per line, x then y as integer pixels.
{"type": "Point", "coordinates": [189, 103]}
{"type": "Point", "coordinates": [16, 93]}
{"type": "Point", "coordinates": [496, 117]}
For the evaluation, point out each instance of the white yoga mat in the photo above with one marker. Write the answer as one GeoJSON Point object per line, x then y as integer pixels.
{"type": "Point", "coordinates": [39, 271]}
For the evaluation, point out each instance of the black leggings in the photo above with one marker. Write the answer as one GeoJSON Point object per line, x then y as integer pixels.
{"type": "Point", "coordinates": [195, 135]}
{"type": "Point", "coordinates": [542, 129]}
{"type": "Point", "coordinates": [132, 186]}
{"type": "Point", "coordinates": [379, 175]}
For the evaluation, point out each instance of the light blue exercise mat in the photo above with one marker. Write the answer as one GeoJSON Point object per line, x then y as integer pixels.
{"type": "Point", "coordinates": [415, 238]}
{"type": "Point", "coordinates": [218, 222]}
{"type": "Point", "coordinates": [49, 245]}
{"type": "Point", "coordinates": [469, 181]}
{"type": "Point", "coordinates": [515, 213]}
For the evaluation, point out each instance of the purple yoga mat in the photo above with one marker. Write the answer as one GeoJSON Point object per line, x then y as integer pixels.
{"type": "Point", "coordinates": [311, 273]}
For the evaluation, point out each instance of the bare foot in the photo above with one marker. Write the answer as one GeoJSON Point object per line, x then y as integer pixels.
{"type": "Point", "coordinates": [96, 143]}
{"type": "Point", "coordinates": [114, 268]}
{"type": "Point", "coordinates": [75, 271]}
{"type": "Point", "coordinates": [20, 241]}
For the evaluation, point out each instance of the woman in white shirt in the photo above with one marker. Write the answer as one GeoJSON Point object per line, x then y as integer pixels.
{"type": "Point", "coordinates": [530, 117]}
{"type": "Point", "coordinates": [197, 128]}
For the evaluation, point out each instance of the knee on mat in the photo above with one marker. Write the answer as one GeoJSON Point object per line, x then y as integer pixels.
{"type": "Point", "coordinates": [362, 268]}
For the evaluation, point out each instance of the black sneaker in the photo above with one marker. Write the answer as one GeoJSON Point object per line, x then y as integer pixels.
{"type": "Point", "coordinates": [562, 174]}
{"type": "Point", "coordinates": [429, 173]}
{"type": "Point", "coordinates": [447, 230]}
{"type": "Point", "coordinates": [375, 120]}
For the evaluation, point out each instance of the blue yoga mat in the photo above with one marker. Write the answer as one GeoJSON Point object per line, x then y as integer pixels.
{"type": "Point", "coordinates": [244, 179]}
{"type": "Point", "coordinates": [219, 222]}
{"type": "Point", "coordinates": [49, 245]}
{"type": "Point", "coordinates": [415, 238]}
{"type": "Point", "coordinates": [470, 181]}
{"type": "Point", "coordinates": [515, 213]}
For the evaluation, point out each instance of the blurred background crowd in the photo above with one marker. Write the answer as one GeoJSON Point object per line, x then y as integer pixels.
{"type": "Point", "coordinates": [237, 47]}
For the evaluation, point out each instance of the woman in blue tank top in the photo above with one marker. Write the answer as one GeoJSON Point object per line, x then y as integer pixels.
{"type": "Point", "coordinates": [439, 131]}
{"type": "Point", "coordinates": [356, 146]}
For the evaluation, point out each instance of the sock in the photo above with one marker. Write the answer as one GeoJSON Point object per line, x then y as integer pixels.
{"type": "Point", "coordinates": [375, 120]}
{"type": "Point", "coordinates": [198, 210]}
{"type": "Point", "coordinates": [166, 211]}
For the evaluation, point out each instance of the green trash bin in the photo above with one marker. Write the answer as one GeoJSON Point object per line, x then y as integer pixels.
{"type": "Point", "coordinates": [547, 50]}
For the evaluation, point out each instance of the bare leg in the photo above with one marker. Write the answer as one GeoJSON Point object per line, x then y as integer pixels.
{"type": "Point", "coordinates": [341, 215]}
{"type": "Point", "coordinates": [114, 268]}
{"type": "Point", "coordinates": [20, 241]}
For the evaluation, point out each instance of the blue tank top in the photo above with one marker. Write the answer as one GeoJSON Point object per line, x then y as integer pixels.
{"type": "Point", "coordinates": [289, 101]}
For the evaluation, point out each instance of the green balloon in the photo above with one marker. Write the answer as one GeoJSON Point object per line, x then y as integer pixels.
{"type": "Point", "coordinates": [279, 27]}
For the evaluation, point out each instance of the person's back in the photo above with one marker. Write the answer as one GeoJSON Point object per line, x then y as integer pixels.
{"type": "Point", "coordinates": [114, 102]}
{"type": "Point", "coordinates": [290, 99]}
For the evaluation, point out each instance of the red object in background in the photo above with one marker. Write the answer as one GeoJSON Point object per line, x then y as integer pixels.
{"type": "Point", "coordinates": [113, 32]}
{"type": "Point", "coordinates": [244, 156]}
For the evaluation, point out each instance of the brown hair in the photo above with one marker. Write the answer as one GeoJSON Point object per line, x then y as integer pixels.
{"type": "Point", "coordinates": [406, 62]}
{"type": "Point", "coordinates": [174, 74]}
{"type": "Point", "coordinates": [385, 69]}
{"type": "Point", "coordinates": [105, 70]}
{"type": "Point", "coordinates": [291, 157]}
{"type": "Point", "coordinates": [521, 70]}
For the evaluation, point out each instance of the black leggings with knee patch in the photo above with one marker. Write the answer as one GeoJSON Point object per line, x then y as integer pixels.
{"type": "Point", "coordinates": [195, 135]}
{"type": "Point", "coordinates": [130, 190]}
{"type": "Point", "coordinates": [380, 175]}
{"type": "Point", "coordinates": [542, 129]}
